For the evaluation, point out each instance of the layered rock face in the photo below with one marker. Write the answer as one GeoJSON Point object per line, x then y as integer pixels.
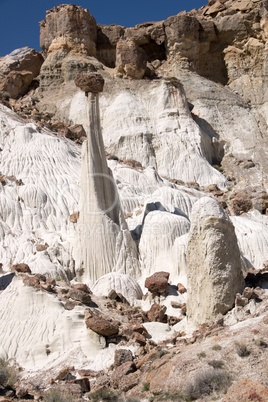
{"type": "Point", "coordinates": [214, 271]}
{"type": "Point", "coordinates": [104, 240]}
{"type": "Point", "coordinates": [225, 42]}
{"type": "Point", "coordinates": [70, 27]}
{"type": "Point", "coordinates": [68, 38]}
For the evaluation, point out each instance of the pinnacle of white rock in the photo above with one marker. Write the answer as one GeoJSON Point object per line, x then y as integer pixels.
{"type": "Point", "coordinates": [104, 241]}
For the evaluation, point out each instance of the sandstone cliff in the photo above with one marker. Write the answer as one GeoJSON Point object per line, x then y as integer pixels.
{"type": "Point", "coordinates": [219, 55]}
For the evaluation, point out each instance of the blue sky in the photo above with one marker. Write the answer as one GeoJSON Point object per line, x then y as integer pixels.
{"type": "Point", "coordinates": [19, 18]}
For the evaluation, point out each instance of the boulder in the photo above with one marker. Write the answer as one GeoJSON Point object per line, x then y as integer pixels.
{"type": "Point", "coordinates": [113, 295]}
{"type": "Point", "coordinates": [181, 288]}
{"type": "Point", "coordinates": [80, 295]}
{"type": "Point", "coordinates": [16, 83]}
{"type": "Point", "coordinates": [83, 383]}
{"type": "Point", "coordinates": [76, 132]}
{"type": "Point", "coordinates": [100, 324]}
{"type": "Point", "coordinates": [90, 83]}
{"type": "Point", "coordinates": [139, 338]}
{"type": "Point", "coordinates": [157, 313]}
{"type": "Point", "coordinates": [74, 217]}
{"type": "Point", "coordinates": [82, 287]}
{"type": "Point", "coordinates": [214, 272]}
{"type": "Point", "coordinates": [157, 283]}
{"type": "Point", "coordinates": [122, 356]}
{"type": "Point", "coordinates": [21, 268]}
{"type": "Point", "coordinates": [22, 59]}
{"type": "Point", "coordinates": [122, 371]}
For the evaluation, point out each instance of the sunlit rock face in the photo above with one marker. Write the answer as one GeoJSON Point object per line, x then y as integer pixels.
{"type": "Point", "coordinates": [68, 26]}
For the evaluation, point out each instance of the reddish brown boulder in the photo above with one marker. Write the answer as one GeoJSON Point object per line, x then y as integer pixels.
{"type": "Point", "coordinates": [83, 287]}
{"type": "Point", "coordinates": [41, 247]}
{"type": "Point", "coordinates": [83, 383]}
{"type": "Point", "coordinates": [76, 132]}
{"type": "Point", "coordinates": [74, 217]}
{"type": "Point", "coordinates": [122, 371]}
{"type": "Point", "coordinates": [93, 82]}
{"type": "Point", "coordinates": [240, 300]}
{"type": "Point", "coordinates": [100, 324]}
{"type": "Point", "coordinates": [80, 296]}
{"type": "Point", "coordinates": [128, 382]}
{"type": "Point", "coordinates": [181, 288]}
{"type": "Point", "coordinates": [158, 282]}
{"type": "Point", "coordinates": [31, 281]}
{"type": "Point", "coordinates": [113, 295]}
{"type": "Point", "coordinates": [138, 338]}
{"type": "Point", "coordinates": [21, 268]}
{"type": "Point", "coordinates": [127, 331]}
{"type": "Point", "coordinates": [157, 313]}
{"type": "Point", "coordinates": [175, 304]}
{"type": "Point", "coordinates": [122, 356]}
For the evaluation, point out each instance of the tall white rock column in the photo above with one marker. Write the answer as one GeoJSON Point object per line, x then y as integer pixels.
{"type": "Point", "coordinates": [104, 241]}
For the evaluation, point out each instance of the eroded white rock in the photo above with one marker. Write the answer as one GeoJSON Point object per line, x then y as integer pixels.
{"type": "Point", "coordinates": [214, 272]}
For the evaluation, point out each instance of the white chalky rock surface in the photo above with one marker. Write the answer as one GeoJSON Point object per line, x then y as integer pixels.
{"type": "Point", "coordinates": [155, 127]}
{"type": "Point", "coordinates": [37, 331]}
{"type": "Point", "coordinates": [124, 284]}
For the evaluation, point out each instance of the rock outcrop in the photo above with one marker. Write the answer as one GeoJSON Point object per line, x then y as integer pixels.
{"type": "Point", "coordinates": [130, 59]}
{"type": "Point", "coordinates": [18, 69]}
{"type": "Point", "coordinates": [68, 26]}
{"type": "Point", "coordinates": [105, 243]}
{"type": "Point", "coordinates": [214, 271]}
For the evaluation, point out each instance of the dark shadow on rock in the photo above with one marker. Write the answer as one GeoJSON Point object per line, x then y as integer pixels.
{"type": "Point", "coordinates": [6, 280]}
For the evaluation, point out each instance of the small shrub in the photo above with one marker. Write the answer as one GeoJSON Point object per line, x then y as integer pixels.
{"type": "Point", "coordinates": [216, 364]}
{"type": "Point", "coordinates": [261, 343]}
{"type": "Point", "coordinates": [170, 397]}
{"type": "Point", "coordinates": [216, 347]}
{"type": "Point", "coordinates": [241, 349]}
{"type": "Point", "coordinates": [161, 353]}
{"type": "Point", "coordinates": [8, 374]}
{"type": "Point", "coordinates": [219, 168]}
{"type": "Point", "coordinates": [206, 382]}
{"type": "Point", "coordinates": [229, 188]}
{"type": "Point", "coordinates": [103, 395]}
{"type": "Point", "coordinates": [113, 157]}
{"type": "Point", "coordinates": [201, 355]}
{"type": "Point", "coordinates": [57, 396]}
{"type": "Point", "coordinates": [145, 387]}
